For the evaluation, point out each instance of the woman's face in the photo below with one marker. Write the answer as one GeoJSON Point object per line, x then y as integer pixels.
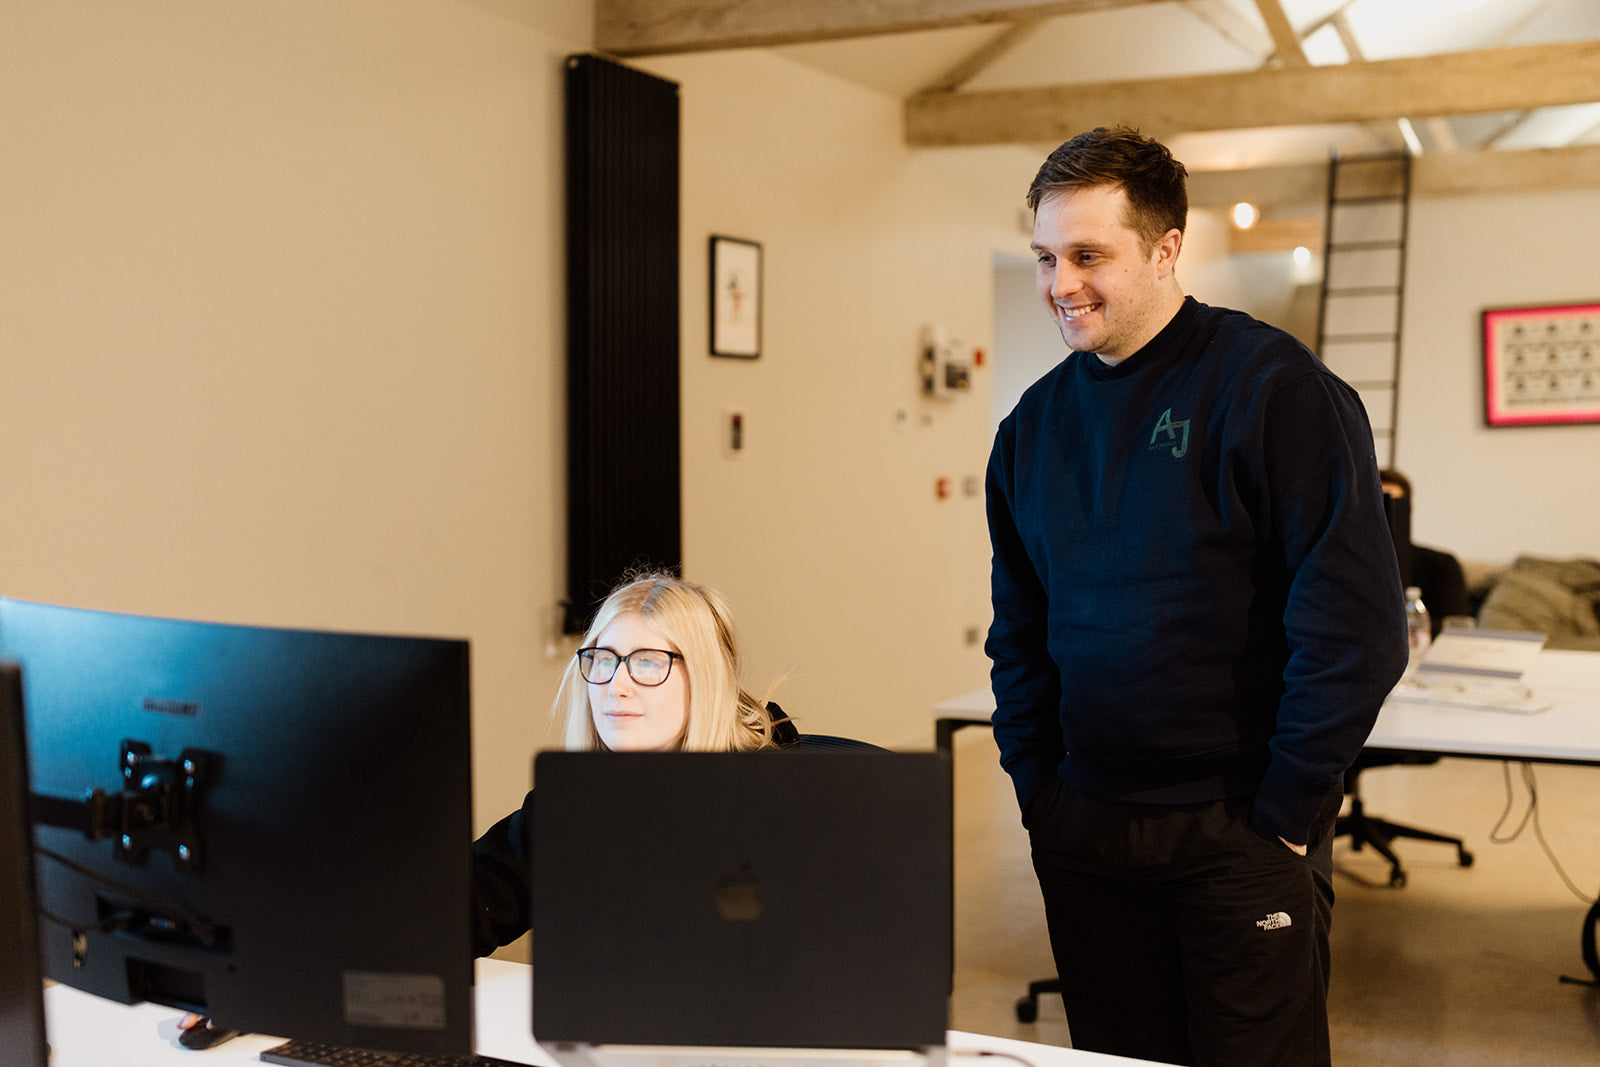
{"type": "Point", "coordinates": [630, 717]}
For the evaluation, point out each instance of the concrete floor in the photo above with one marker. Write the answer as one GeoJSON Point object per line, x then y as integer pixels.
{"type": "Point", "coordinates": [1462, 966]}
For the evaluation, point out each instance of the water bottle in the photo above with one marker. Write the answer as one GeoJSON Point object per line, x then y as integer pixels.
{"type": "Point", "coordinates": [1419, 628]}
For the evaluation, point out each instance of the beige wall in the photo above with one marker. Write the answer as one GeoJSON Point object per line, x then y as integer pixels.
{"type": "Point", "coordinates": [280, 291]}
{"type": "Point", "coordinates": [281, 322]}
{"type": "Point", "coordinates": [1485, 494]}
{"type": "Point", "coordinates": [280, 285]}
{"type": "Point", "coordinates": [827, 532]}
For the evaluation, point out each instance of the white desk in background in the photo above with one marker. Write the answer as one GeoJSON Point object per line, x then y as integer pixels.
{"type": "Point", "coordinates": [1568, 732]}
{"type": "Point", "coordinates": [86, 1031]}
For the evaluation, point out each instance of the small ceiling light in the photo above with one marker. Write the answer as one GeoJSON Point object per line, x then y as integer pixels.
{"type": "Point", "coordinates": [1245, 215]}
{"type": "Point", "coordinates": [1302, 255]}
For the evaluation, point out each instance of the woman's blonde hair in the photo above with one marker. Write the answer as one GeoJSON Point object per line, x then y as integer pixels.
{"type": "Point", "coordinates": [722, 715]}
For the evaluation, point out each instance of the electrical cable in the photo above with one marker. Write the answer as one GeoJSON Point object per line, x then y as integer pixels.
{"type": "Point", "coordinates": [1591, 955]}
{"type": "Point", "coordinates": [202, 928]}
{"type": "Point", "coordinates": [1531, 815]}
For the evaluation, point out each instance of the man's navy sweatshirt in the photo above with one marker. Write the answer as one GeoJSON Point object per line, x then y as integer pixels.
{"type": "Point", "coordinates": [1195, 588]}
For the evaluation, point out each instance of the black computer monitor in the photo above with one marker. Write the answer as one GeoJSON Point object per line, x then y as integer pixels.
{"type": "Point", "coordinates": [278, 824]}
{"type": "Point", "coordinates": [21, 984]}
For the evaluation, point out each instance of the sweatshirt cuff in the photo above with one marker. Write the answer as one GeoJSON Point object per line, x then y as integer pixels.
{"type": "Point", "coordinates": [1286, 804]}
{"type": "Point", "coordinates": [1029, 778]}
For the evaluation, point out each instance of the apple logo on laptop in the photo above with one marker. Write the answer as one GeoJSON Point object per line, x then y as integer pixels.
{"type": "Point", "coordinates": [738, 895]}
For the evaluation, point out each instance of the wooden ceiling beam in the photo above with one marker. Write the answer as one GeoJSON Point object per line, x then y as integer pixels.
{"type": "Point", "coordinates": [659, 27]}
{"type": "Point", "coordinates": [1276, 235]}
{"type": "Point", "coordinates": [1457, 83]}
{"type": "Point", "coordinates": [1512, 171]}
{"type": "Point", "coordinates": [1453, 174]}
{"type": "Point", "coordinates": [1285, 42]}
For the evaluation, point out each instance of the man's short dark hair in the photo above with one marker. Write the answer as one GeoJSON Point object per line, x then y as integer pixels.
{"type": "Point", "coordinates": [1156, 184]}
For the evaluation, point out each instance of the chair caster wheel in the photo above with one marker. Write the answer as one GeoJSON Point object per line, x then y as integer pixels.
{"type": "Point", "coordinates": [1465, 858]}
{"type": "Point", "coordinates": [1397, 879]}
{"type": "Point", "coordinates": [1027, 1010]}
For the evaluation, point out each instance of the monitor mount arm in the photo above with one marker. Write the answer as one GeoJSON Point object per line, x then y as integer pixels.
{"type": "Point", "coordinates": [157, 807]}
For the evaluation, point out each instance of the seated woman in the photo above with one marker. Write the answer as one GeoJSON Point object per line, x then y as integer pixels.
{"type": "Point", "coordinates": [658, 671]}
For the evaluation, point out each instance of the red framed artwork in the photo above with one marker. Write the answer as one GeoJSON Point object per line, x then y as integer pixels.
{"type": "Point", "coordinates": [1541, 365]}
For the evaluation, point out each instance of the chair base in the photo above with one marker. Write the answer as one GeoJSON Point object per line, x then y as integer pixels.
{"type": "Point", "coordinates": [1028, 1006]}
{"type": "Point", "coordinates": [1364, 829]}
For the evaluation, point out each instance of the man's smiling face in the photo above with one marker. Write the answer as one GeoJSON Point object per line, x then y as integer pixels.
{"type": "Point", "coordinates": [1106, 291]}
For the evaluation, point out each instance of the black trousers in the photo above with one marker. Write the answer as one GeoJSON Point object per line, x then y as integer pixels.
{"type": "Point", "coordinates": [1182, 934]}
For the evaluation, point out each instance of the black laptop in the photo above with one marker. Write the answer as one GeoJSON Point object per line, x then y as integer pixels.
{"type": "Point", "coordinates": [697, 907]}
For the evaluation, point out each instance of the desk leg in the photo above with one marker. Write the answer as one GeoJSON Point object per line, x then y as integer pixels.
{"type": "Point", "coordinates": [944, 731]}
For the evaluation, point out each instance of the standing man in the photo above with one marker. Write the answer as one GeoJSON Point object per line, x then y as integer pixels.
{"type": "Point", "coordinates": [1197, 614]}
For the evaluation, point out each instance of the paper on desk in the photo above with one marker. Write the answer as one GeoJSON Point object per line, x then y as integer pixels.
{"type": "Point", "coordinates": [1499, 654]}
{"type": "Point", "coordinates": [1475, 670]}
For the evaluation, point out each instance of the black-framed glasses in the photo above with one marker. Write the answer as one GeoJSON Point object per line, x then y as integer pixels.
{"type": "Point", "coordinates": [646, 666]}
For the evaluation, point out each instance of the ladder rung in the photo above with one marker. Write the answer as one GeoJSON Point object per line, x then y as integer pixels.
{"type": "Point", "coordinates": [1364, 246]}
{"type": "Point", "coordinates": [1390, 199]}
{"type": "Point", "coordinates": [1376, 182]}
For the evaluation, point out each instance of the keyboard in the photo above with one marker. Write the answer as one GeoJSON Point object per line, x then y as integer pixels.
{"type": "Point", "coordinates": [311, 1054]}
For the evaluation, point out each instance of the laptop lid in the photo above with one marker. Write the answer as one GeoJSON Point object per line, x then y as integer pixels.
{"type": "Point", "coordinates": [765, 899]}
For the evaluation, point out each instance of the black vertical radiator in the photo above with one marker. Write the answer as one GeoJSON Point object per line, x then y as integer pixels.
{"type": "Point", "coordinates": [623, 493]}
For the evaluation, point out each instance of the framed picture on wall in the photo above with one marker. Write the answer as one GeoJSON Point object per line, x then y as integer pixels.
{"type": "Point", "coordinates": [735, 298]}
{"type": "Point", "coordinates": [1541, 365]}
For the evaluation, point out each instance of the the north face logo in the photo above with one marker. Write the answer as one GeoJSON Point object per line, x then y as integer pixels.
{"type": "Point", "coordinates": [1176, 435]}
{"type": "Point", "coordinates": [1276, 921]}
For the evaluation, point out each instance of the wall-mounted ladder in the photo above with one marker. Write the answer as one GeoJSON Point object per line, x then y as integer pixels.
{"type": "Point", "coordinates": [1363, 284]}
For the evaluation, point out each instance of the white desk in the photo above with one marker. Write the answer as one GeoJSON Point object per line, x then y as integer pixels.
{"type": "Point", "coordinates": [86, 1031]}
{"type": "Point", "coordinates": [1569, 732]}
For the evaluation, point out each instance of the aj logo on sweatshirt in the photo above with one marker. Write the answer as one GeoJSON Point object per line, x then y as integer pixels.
{"type": "Point", "coordinates": [1177, 435]}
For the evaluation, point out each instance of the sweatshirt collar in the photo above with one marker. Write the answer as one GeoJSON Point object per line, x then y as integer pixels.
{"type": "Point", "coordinates": [1178, 328]}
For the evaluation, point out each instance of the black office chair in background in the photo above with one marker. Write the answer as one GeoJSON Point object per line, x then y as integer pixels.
{"type": "Point", "coordinates": [1028, 1006]}
{"type": "Point", "coordinates": [786, 735]}
{"type": "Point", "coordinates": [1443, 585]}
{"type": "Point", "coordinates": [1364, 829]}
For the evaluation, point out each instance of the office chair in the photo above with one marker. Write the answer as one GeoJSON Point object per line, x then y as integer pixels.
{"type": "Point", "coordinates": [817, 742]}
{"type": "Point", "coordinates": [1028, 1006]}
{"type": "Point", "coordinates": [1444, 591]}
{"type": "Point", "coordinates": [786, 735]}
{"type": "Point", "coordinates": [1364, 829]}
